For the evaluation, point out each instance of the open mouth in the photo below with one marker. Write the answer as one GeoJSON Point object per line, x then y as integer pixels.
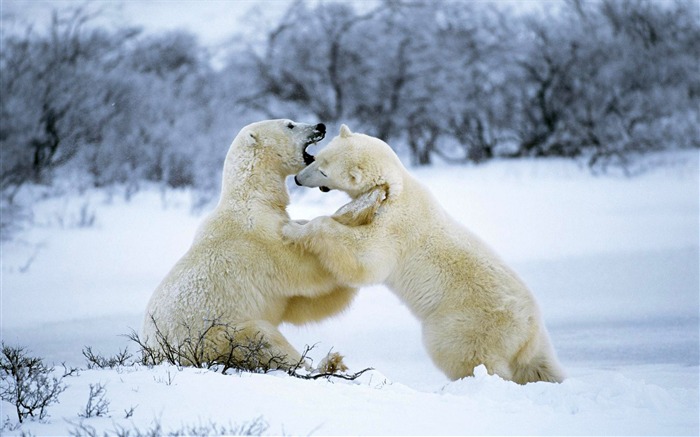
{"type": "Point", "coordinates": [318, 134]}
{"type": "Point", "coordinates": [308, 158]}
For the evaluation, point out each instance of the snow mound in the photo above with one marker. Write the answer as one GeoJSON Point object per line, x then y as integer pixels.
{"type": "Point", "coordinates": [172, 399]}
{"type": "Point", "coordinates": [613, 262]}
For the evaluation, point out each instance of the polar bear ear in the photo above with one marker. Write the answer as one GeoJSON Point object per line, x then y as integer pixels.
{"type": "Point", "coordinates": [356, 175]}
{"type": "Point", "coordinates": [345, 131]}
{"type": "Point", "coordinates": [251, 139]}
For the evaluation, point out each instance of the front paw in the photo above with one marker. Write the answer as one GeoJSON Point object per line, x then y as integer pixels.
{"type": "Point", "coordinates": [362, 210]}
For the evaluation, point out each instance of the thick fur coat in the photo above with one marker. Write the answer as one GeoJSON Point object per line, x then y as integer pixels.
{"type": "Point", "coordinates": [238, 275]}
{"type": "Point", "coordinates": [474, 309]}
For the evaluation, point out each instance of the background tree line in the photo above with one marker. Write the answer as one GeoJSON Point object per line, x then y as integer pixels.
{"type": "Point", "coordinates": [600, 81]}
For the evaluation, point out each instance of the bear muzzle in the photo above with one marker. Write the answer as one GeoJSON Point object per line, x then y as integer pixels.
{"type": "Point", "coordinates": [296, 181]}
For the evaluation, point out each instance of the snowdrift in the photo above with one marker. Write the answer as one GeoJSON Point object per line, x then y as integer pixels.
{"type": "Point", "coordinates": [612, 261]}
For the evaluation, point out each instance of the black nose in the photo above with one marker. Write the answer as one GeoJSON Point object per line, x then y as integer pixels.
{"type": "Point", "coordinates": [321, 128]}
{"type": "Point", "coordinates": [296, 181]}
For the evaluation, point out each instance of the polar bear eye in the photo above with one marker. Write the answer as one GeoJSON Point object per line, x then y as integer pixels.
{"type": "Point", "coordinates": [323, 173]}
{"type": "Point", "coordinates": [290, 125]}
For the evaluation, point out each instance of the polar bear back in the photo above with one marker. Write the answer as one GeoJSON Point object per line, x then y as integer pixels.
{"type": "Point", "coordinates": [437, 253]}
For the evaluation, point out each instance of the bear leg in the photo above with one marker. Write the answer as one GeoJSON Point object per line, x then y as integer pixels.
{"type": "Point", "coordinates": [450, 352]}
{"type": "Point", "coordinates": [302, 309]}
{"type": "Point", "coordinates": [254, 345]}
{"type": "Point", "coordinates": [536, 361]}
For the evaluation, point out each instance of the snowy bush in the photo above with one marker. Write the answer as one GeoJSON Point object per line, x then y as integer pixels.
{"type": "Point", "coordinates": [246, 356]}
{"type": "Point", "coordinates": [196, 350]}
{"type": "Point", "coordinates": [255, 427]}
{"type": "Point", "coordinates": [97, 361]}
{"type": "Point", "coordinates": [27, 383]}
{"type": "Point", "coordinates": [97, 404]}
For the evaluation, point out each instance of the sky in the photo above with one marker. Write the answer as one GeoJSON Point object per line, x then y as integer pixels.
{"type": "Point", "coordinates": [213, 21]}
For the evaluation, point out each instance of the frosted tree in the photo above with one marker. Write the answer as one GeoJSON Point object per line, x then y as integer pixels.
{"type": "Point", "coordinates": [608, 80]}
{"type": "Point", "coordinates": [312, 61]}
{"type": "Point", "coordinates": [436, 79]}
{"type": "Point", "coordinates": [53, 100]}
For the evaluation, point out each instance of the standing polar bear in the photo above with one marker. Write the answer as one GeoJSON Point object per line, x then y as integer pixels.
{"type": "Point", "coordinates": [239, 281]}
{"type": "Point", "coordinates": [474, 309]}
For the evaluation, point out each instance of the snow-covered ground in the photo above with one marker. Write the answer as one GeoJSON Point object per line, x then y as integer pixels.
{"type": "Point", "coordinates": [613, 262]}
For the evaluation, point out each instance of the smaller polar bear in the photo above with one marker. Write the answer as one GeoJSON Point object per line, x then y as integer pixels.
{"type": "Point", "coordinates": [238, 281]}
{"type": "Point", "coordinates": [473, 308]}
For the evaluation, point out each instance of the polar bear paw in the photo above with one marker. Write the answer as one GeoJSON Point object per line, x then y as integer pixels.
{"type": "Point", "coordinates": [361, 211]}
{"type": "Point", "coordinates": [333, 363]}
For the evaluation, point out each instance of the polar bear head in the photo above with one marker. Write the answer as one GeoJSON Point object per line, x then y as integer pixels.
{"type": "Point", "coordinates": [355, 163]}
{"type": "Point", "coordinates": [276, 145]}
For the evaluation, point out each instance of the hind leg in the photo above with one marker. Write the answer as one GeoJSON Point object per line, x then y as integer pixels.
{"type": "Point", "coordinates": [255, 344]}
{"type": "Point", "coordinates": [456, 347]}
{"type": "Point", "coordinates": [540, 369]}
{"type": "Point", "coordinates": [449, 351]}
{"type": "Point", "coordinates": [537, 361]}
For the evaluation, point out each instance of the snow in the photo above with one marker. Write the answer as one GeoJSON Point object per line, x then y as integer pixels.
{"type": "Point", "coordinates": [613, 262]}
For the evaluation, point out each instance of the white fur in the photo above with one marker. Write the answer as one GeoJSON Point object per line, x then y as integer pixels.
{"type": "Point", "coordinates": [473, 308]}
{"type": "Point", "coordinates": [238, 271]}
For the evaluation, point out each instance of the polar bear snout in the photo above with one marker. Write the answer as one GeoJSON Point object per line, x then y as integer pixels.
{"type": "Point", "coordinates": [317, 134]}
{"type": "Point", "coordinates": [311, 177]}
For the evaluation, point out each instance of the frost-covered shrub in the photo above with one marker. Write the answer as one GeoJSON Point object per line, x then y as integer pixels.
{"type": "Point", "coordinates": [196, 350]}
{"type": "Point", "coordinates": [97, 404]}
{"type": "Point", "coordinates": [255, 427]}
{"type": "Point", "coordinates": [97, 361]}
{"type": "Point", "coordinates": [27, 383]}
{"type": "Point", "coordinates": [248, 355]}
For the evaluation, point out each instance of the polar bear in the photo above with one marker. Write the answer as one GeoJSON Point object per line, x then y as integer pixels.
{"type": "Point", "coordinates": [238, 281]}
{"type": "Point", "coordinates": [474, 309]}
